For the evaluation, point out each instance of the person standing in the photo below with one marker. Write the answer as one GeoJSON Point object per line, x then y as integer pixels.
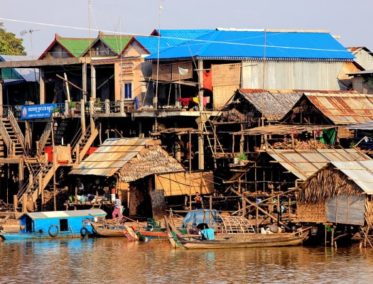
{"type": "Point", "coordinates": [198, 201]}
{"type": "Point", "coordinates": [118, 208]}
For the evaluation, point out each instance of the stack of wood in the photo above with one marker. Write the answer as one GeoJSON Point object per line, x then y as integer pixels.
{"type": "Point", "coordinates": [300, 145]}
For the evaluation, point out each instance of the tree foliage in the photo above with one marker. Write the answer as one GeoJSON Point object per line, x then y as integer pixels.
{"type": "Point", "coordinates": [9, 43]}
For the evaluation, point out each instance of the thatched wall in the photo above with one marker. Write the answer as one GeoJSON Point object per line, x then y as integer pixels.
{"type": "Point", "coordinates": [313, 213]}
{"type": "Point", "coordinates": [327, 183]}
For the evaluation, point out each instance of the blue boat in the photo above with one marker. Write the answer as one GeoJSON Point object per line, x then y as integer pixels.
{"type": "Point", "coordinates": [55, 224]}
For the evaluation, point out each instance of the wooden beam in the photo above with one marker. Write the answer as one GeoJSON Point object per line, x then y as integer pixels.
{"type": "Point", "coordinates": [1, 99]}
{"type": "Point", "coordinates": [44, 62]}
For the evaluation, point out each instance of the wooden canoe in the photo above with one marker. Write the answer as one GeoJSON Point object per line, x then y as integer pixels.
{"type": "Point", "coordinates": [113, 230]}
{"type": "Point", "coordinates": [246, 241]}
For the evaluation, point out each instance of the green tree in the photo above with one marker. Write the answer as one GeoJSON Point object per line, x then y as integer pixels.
{"type": "Point", "coordinates": [9, 44]}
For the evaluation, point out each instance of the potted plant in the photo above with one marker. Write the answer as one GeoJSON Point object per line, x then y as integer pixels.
{"type": "Point", "coordinates": [72, 107]}
{"type": "Point", "coordinates": [240, 158]}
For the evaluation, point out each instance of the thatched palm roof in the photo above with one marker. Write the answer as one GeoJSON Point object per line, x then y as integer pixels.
{"type": "Point", "coordinates": [130, 158]}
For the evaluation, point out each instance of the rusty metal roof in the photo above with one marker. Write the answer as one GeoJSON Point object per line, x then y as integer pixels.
{"type": "Point", "coordinates": [361, 172]}
{"type": "Point", "coordinates": [343, 108]}
{"type": "Point", "coordinates": [130, 158]}
{"type": "Point", "coordinates": [304, 163]}
{"type": "Point", "coordinates": [272, 104]}
{"type": "Point", "coordinates": [281, 129]}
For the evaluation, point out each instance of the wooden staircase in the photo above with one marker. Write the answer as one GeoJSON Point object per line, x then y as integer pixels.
{"type": "Point", "coordinates": [46, 137]}
{"type": "Point", "coordinates": [84, 142]}
{"type": "Point", "coordinates": [31, 191]}
{"type": "Point", "coordinates": [12, 136]}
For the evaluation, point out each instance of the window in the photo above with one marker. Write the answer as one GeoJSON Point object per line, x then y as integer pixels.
{"type": "Point", "coordinates": [127, 91]}
{"type": "Point", "coordinates": [64, 226]}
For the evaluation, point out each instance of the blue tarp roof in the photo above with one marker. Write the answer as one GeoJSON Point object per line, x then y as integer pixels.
{"type": "Point", "coordinates": [169, 38]}
{"type": "Point", "coordinates": [258, 44]}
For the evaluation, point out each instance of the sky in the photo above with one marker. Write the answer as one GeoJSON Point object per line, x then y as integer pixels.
{"type": "Point", "coordinates": [82, 18]}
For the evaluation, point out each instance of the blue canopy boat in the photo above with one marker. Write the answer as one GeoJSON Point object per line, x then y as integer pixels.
{"type": "Point", "coordinates": [55, 224]}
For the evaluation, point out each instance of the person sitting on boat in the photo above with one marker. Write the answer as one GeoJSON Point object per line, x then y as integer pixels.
{"type": "Point", "coordinates": [117, 212]}
{"type": "Point", "coordinates": [206, 232]}
{"type": "Point", "coordinates": [198, 201]}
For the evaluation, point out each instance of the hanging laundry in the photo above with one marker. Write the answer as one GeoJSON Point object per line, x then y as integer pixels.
{"type": "Point", "coordinates": [329, 136]}
{"type": "Point", "coordinates": [207, 80]}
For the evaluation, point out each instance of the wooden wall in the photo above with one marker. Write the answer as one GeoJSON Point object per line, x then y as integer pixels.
{"type": "Point", "coordinates": [185, 183]}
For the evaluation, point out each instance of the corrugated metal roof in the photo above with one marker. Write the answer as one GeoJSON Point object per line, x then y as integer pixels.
{"type": "Point", "coordinates": [25, 74]}
{"type": "Point", "coordinates": [272, 104]}
{"type": "Point", "coordinates": [343, 108]}
{"type": "Point", "coordinates": [69, 213]}
{"type": "Point", "coordinates": [116, 42]}
{"type": "Point", "coordinates": [76, 46]}
{"type": "Point", "coordinates": [236, 44]}
{"type": "Point", "coordinates": [131, 158]}
{"type": "Point", "coordinates": [281, 129]}
{"type": "Point", "coordinates": [361, 172]}
{"type": "Point", "coordinates": [304, 163]}
{"type": "Point", "coordinates": [362, 126]}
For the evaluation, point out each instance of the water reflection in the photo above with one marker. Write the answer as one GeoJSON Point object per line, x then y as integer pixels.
{"type": "Point", "coordinates": [115, 260]}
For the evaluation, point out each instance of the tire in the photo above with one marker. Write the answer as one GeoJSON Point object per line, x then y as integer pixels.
{"type": "Point", "coordinates": [84, 232]}
{"type": "Point", "coordinates": [53, 231]}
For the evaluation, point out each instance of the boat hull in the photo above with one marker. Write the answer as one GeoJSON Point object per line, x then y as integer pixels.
{"type": "Point", "coordinates": [253, 241]}
{"type": "Point", "coordinates": [32, 236]}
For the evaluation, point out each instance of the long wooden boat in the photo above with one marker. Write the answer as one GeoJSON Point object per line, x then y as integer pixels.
{"type": "Point", "coordinates": [250, 240]}
{"type": "Point", "coordinates": [105, 230]}
{"type": "Point", "coordinates": [234, 240]}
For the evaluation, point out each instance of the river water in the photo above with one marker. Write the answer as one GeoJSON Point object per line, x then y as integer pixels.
{"type": "Point", "coordinates": [119, 261]}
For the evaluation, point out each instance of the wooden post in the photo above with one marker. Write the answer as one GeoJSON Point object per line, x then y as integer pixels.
{"type": "Point", "coordinates": [1, 99]}
{"type": "Point", "coordinates": [210, 203]}
{"type": "Point", "coordinates": [201, 154]}
{"type": "Point", "coordinates": [21, 173]}
{"type": "Point", "coordinates": [190, 151]}
{"type": "Point", "coordinates": [82, 115]}
{"type": "Point", "coordinates": [325, 236]}
{"type": "Point", "coordinates": [15, 202]}
{"type": "Point", "coordinates": [84, 81]}
{"type": "Point", "coordinates": [67, 87]}
{"type": "Point", "coordinates": [93, 82]}
{"type": "Point", "coordinates": [54, 168]}
{"type": "Point", "coordinates": [41, 87]}
{"type": "Point", "coordinates": [243, 207]}
{"type": "Point", "coordinates": [242, 141]}
{"type": "Point", "coordinates": [200, 84]}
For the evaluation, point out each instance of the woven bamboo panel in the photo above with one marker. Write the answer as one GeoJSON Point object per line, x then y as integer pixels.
{"type": "Point", "coordinates": [314, 213]}
{"type": "Point", "coordinates": [226, 75]}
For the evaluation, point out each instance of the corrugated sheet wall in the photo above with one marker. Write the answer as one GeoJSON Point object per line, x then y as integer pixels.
{"type": "Point", "coordinates": [299, 75]}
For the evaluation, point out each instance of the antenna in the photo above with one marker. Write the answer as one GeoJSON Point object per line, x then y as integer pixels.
{"type": "Point", "coordinates": [30, 32]}
{"type": "Point", "coordinates": [155, 99]}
